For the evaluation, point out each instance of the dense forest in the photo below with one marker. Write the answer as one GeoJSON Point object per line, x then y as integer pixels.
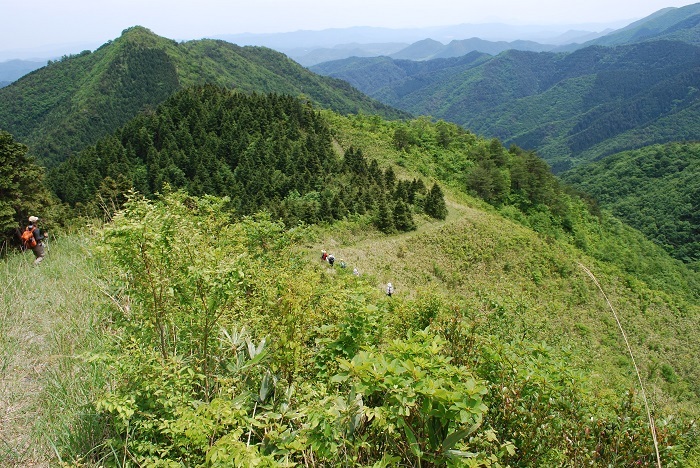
{"type": "Point", "coordinates": [654, 189]}
{"type": "Point", "coordinates": [264, 152]}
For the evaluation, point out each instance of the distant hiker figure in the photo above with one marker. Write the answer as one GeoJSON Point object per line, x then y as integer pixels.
{"type": "Point", "coordinates": [33, 239]}
{"type": "Point", "coordinates": [324, 255]}
{"type": "Point", "coordinates": [342, 263]}
{"type": "Point", "coordinates": [389, 289]}
{"type": "Point", "coordinates": [355, 272]}
{"type": "Point", "coordinates": [331, 259]}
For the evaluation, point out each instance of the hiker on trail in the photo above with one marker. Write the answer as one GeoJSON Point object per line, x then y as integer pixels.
{"type": "Point", "coordinates": [32, 238]}
{"type": "Point", "coordinates": [342, 263]}
{"type": "Point", "coordinates": [331, 259]}
{"type": "Point", "coordinates": [355, 272]}
{"type": "Point", "coordinates": [324, 255]}
{"type": "Point", "coordinates": [389, 289]}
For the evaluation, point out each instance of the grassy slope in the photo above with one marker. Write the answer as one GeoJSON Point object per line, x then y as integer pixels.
{"type": "Point", "coordinates": [49, 315]}
{"type": "Point", "coordinates": [488, 264]}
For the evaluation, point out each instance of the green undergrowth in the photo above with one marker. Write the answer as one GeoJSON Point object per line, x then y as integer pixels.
{"type": "Point", "coordinates": [495, 350]}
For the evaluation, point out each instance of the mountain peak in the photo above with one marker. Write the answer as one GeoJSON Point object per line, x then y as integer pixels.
{"type": "Point", "coordinates": [141, 35]}
{"type": "Point", "coordinates": [136, 31]}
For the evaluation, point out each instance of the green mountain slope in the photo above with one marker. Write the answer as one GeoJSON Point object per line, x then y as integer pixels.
{"type": "Point", "coordinates": [265, 152]}
{"type": "Point", "coordinates": [654, 189]}
{"type": "Point", "coordinates": [674, 24]}
{"type": "Point", "coordinates": [370, 75]}
{"type": "Point", "coordinates": [225, 340]}
{"type": "Point", "coordinates": [570, 108]}
{"type": "Point", "coordinates": [61, 108]}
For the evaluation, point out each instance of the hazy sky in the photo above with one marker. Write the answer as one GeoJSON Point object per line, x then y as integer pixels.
{"type": "Point", "coordinates": [37, 23]}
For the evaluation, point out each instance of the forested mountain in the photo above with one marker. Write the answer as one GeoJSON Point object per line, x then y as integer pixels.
{"type": "Point", "coordinates": [381, 74]}
{"type": "Point", "coordinates": [265, 152]}
{"type": "Point", "coordinates": [655, 189]}
{"type": "Point", "coordinates": [569, 107]}
{"type": "Point", "coordinates": [63, 107]}
{"type": "Point", "coordinates": [673, 24]}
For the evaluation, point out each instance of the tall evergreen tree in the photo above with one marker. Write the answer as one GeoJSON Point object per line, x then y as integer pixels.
{"type": "Point", "coordinates": [403, 220]}
{"type": "Point", "coordinates": [435, 205]}
{"type": "Point", "coordinates": [22, 191]}
{"type": "Point", "coordinates": [384, 221]}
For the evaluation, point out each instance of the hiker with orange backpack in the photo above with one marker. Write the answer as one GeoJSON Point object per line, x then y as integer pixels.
{"type": "Point", "coordinates": [32, 238]}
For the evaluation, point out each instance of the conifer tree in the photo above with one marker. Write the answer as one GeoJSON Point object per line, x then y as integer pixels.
{"type": "Point", "coordinates": [384, 220]}
{"type": "Point", "coordinates": [435, 205]}
{"type": "Point", "coordinates": [389, 179]}
{"type": "Point", "coordinates": [417, 186]}
{"type": "Point", "coordinates": [21, 185]}
{"type": "Point", "coordinates": [403, 220]}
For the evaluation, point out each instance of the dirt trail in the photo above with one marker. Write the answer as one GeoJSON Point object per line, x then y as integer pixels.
{"type": "Point", "coordinates": [25, 330]}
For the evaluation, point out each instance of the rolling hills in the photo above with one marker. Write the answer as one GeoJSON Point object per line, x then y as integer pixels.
{"type": "Point", "coordinates": [569, 107]}
{"type": "Point", "coordinates": [63, 107]}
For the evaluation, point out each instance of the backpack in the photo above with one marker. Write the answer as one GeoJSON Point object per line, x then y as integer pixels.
{"type": "Point", "coordinates": [28, 240]}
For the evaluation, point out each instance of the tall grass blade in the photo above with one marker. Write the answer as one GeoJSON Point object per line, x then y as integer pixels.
{"type": "Point", "coordinates": [652, 427]}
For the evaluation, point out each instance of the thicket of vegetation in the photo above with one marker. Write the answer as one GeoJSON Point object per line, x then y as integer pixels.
{"type": "Point", "coordinates": [654, 189]}
{"type": "Point", "coordinates": [241, 352]}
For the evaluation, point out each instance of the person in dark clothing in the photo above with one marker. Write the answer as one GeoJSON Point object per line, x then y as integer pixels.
{"type": "Point", "coordinates": [38, 249]}
{"type": "Point", "coordinates": [331, 259]}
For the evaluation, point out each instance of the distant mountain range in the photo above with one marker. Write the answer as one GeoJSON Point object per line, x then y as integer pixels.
{"type": "Point", "coordinates": [570, 107]}
{"type": "Point", "coordinates": [14, 69]}
{"type": "Point", "coordinates": [313, 47]}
